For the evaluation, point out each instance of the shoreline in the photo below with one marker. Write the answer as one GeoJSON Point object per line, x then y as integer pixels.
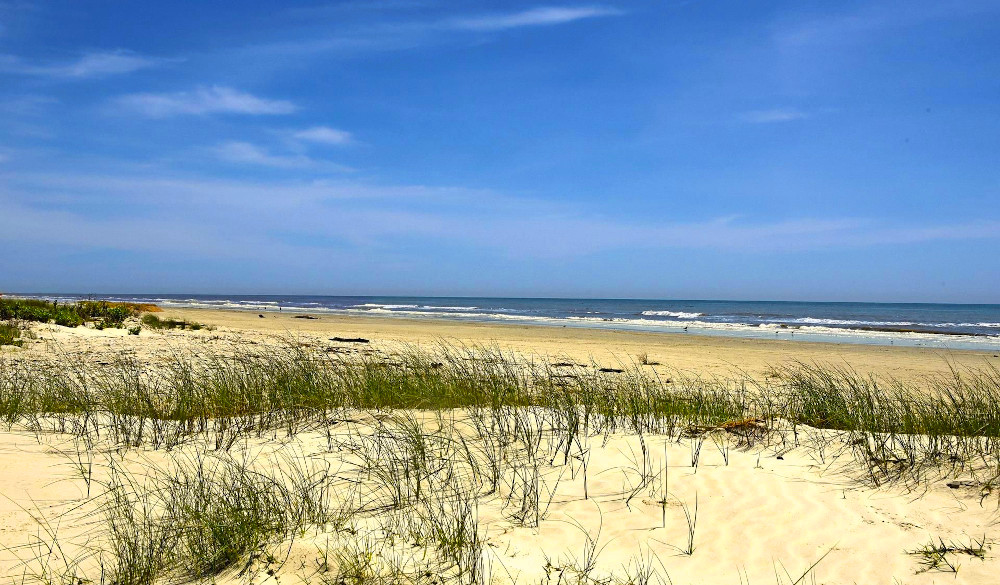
{"type": "Point", "coordinates": [936, 325]}
{"type": "Point", "coordinates": [701, 354]}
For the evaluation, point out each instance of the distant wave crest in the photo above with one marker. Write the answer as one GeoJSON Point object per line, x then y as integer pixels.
{"type": "Point", "coordinates": [676, 314]}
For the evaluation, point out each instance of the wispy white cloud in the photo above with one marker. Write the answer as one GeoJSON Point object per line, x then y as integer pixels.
{"type": "Point", "coordinates": [397, 36]}
{"type": "Point", "coordinates": [247, 153]}
{"type": "Point", "coordinates": [216, 198]}
{"type": "Point", "coordinates": [379, 217]}
{"type": "Point", "coordinates": [26, 105]}
{"type": "Point", "coordinates": [567, 235]}
{"type": "Point", "coordinates": [324, 135]}
{"type": "Point", "coordinates": [874, 17]}
{"type": "Point", "coordinates": [540, 16]}
{"type": "Point", "coordinates": [773, 115]}
{"type": "Point", "coordinates": [89, 65]}
{"type": "Point", "coordinates": [27, 116]}
{"type": "Point", "coordinates": [205, 100]}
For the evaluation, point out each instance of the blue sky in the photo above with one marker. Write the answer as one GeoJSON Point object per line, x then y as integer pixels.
{"type": "Point", "coordinates": [689, 149]}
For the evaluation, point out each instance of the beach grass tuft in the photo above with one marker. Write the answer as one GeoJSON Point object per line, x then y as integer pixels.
{"type": "Point", "coordinates": [155, 322]}
{"type": "Point", "coordinates": [938, 555]}
{"type": "Point", "coordinates": [10, 333]}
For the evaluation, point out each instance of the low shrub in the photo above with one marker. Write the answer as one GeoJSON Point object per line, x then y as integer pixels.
{"type": "Point", "coordinates": [102, 313]}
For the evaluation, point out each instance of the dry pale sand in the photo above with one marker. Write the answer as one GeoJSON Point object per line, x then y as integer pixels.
{"type": "Point", "coordinates": [765, 511]}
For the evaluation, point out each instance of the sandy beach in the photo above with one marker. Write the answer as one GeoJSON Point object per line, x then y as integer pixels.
{"type": "Point", "coordinates": [697, 508]}
{"type": "Point", "coordinates": [698, 354]}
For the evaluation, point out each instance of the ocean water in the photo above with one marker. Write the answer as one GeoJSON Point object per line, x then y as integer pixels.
{"type": "Point", "coordinates": [911, 324]}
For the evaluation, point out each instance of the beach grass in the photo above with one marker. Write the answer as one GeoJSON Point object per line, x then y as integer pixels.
{"type": "Point", "coordinates": [155, 322]}
{"type": "Point", "coordinates": [421, 438]}
{"type": "Point", "coordinates": [941, 556]}
{"type": "Point", "coordinates": [10, 333]}
{"type": "Point", "coordinates": [248, 390]}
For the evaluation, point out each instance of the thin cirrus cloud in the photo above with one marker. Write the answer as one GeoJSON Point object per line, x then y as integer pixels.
{"type": "Point", "coordinates": [540, 16]}
{"type": "Point", "coordinates": [202, 101]}
{"type": "Point", "coordinates": [409, 35]}
{"type": "Point", "coordinates": [773, 116]}
{"type": "Point", "coordinates": [873, 19]}
{"type": "Point", "coordinates": [90, 65]}
{"type": "Point", "coordinates": [246, 153]}
{"type": "Point", "coordinates": [26, 105]}
{"type": "Point", "coordinates": [377, 215]}
{"type": "Point", "coordinates": [324, 135]}
{"type": "Point", "coordinates": [239, 152]}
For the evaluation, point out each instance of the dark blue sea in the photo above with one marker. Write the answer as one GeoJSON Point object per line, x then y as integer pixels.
{"type": "Point", "coordinates": [913, 324]}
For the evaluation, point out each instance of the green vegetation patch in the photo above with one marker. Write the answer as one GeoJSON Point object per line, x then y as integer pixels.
{"type": "Point", "coordinates": [101, 313]}
{"type": "Point", "coordinates": [154, 322]}
{"type": "Point", "coordinates": [10, 334]}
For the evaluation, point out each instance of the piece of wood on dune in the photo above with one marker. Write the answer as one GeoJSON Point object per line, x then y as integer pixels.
{"type": "Point", "coordinates": [349, 339]}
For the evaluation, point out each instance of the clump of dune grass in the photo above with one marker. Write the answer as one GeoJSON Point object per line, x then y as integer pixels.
{"type": "Point", "coordinates": [10, 333]}
{"type": "Point", "coordinates": [898, 431]}
{"type": "Point", "coordinates": [154, 322]}
{"type": "Point", "coordinates": [938, 555]}
{"type": "Point", "coordinates": [195, 517]}
{"type": "Point", "coordinates": [226, 509]}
